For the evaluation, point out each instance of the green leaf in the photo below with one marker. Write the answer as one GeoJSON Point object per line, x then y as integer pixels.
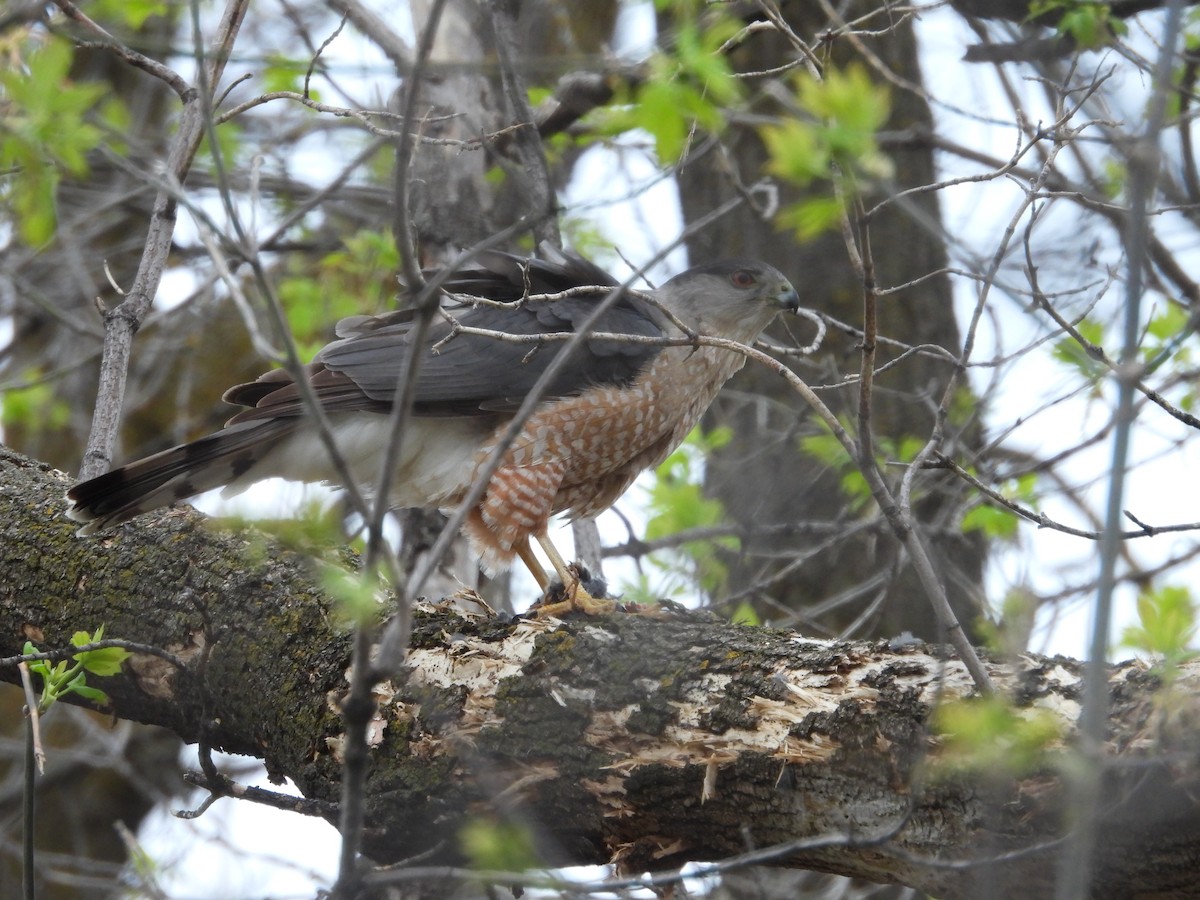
{"type": "Point", "coordinates": [316, 530]}
{"type": "Point", "coordinates": [851, 108]}
{"type": "Point", "coordinates": [690, 85]}
{"type": "Point", "coordinates": [844, 111]}
{"type": "Point", "coordinates": [660, 112]}
{"type": "Point", "coordinates": [45, 135]}
{"type": "Point", "coordinates": [64, 678]}
{"type": "Point", "coordinates": [1168, 323]}
{"type": "Point", "coordinates": [132, 13]}
{"type": "Point", "coordinates": [989, 735]}
{"type": "Point", "coordinates": [812, 217]}
{"type": "Point", "coordinates": [745, 614]}
{"type": "Point", "coordinates": [35, 207]}
{"type": "Point", "coordinates": [1167, 624]}
{"type": "Point", "coordinates": [1167, 332]}
{"type": "Point", "coordinates": [796, 152]}
{"type": "Point", "coordinates": [96, 695]}
{"type": "Point", "coordinates": [357, 278]}
{"type": "Point", "coordinates": [283, 74]}
{"type": "Point", "coordinates": [827, 449]}
{"type": "Point", "coordinates": [357, 595]}
{"type": "Point", "coordinates": [1090, 23]}
{"type": "Point", "coordinates": [229, 143]}
{"type": "Point", "coordinates": [104, 662]}
{"type": "Point", "coordinates": [498, 846]}
{"type": "Point", "coordinates": [1074, 355]}
{"type": "Point", "coordinates": [677, 503]}
{"type": "Point", "coordinates": [994, 521]}
{"type": "Point", "coordinates": [1114, 177]}
{"type": "Point", "coordinates": [640, 590]}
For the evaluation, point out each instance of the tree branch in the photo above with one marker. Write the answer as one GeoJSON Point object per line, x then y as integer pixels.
{"type": "Point", "coordinates": [121, 323]}
{"type": "Point", "coordinates": [615, 739]}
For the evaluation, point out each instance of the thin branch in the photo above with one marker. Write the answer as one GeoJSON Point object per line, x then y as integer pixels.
{"type": "Point", "coordinates": [359, 704]}
{"type": "Point", "coordinates": [754, 857]}
{"type": "Point", "coordinates": [1095, 351]}
{"type": "Point", "coordinates": [227, 787]}
{"type": "Point", "coordinates": [121, 323]}
{"type": "Point", "coordinates": [186, 92]}
{"type": "Point", "coordinates": [72, 651]}
{"type": "Point", "coordinates": [34, 722]}
{"type": "Point", "coordinates": [1076, 866]}
{"type": "Point", "coordinates": [542, 202]}
{"type": "Point", "coordinates": [35, 758]}
{"type": "Point", "coordinates": [635, 546]}
{"type": "Point", "coordinates": [378, 29]}
{"type": "Point", "coordinates": [1044, 521]}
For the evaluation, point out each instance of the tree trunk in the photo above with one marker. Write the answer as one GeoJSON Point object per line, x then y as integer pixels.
{"type": "Point", "coordinates": [621, 739]}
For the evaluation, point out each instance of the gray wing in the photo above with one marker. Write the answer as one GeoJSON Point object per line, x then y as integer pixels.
{"type": "Point", "coordinates": [472, 374]}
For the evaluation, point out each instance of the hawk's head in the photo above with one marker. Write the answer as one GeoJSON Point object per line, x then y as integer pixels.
{"type": "Point", "coordinates": [734, 298]}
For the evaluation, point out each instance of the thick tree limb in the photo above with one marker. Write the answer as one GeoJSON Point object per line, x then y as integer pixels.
{"type": "Point", "coordinates": [648, 743]}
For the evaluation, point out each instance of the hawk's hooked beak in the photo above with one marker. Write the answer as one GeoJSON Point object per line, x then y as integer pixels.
{"type": "Point", "coordinates": [787, 298]}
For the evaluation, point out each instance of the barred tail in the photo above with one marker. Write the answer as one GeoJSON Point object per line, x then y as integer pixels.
{"type": "Point", "coordinates": [174, 474]}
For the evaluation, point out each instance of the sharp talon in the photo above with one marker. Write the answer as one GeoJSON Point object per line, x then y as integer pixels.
{"type": "Point", "coordinates": [561, 599]}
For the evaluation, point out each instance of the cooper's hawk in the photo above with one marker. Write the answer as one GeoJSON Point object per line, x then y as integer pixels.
{"type": "Point", "coordinates": [615, 409]}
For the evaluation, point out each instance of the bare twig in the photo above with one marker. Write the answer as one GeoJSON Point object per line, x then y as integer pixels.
{"type": "Point", "coordinates": [538, 187]}
{"type": "Point", "coordinates": [34, 720]}
{"type": "Point", "coordinates": [1043, 521]}
{"type": "Point", "coordinates": [72, 651]}
{"type": "Point", "coordinates": [35, 758]}
{"type": "Point", "coordinates": [227, 787]}
{"type": "Point", "coordinates": [898, 512]}
{"type": "Point", "coordinates": [1093, 350]}
{"type": "Point", "coordinates": [758, 856]}
{"type": "Point", "coordinates": [121, 323]}
{"type": "Point", "coordinates": [169, 76]}
{"type": "Point", "coordinates": [1075, 869]}
{"type": "Point", "coordinates": [359, 705]}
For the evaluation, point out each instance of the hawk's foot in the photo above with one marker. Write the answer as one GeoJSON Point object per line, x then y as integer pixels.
{"type": "Point", "coordinates": [584, 593]}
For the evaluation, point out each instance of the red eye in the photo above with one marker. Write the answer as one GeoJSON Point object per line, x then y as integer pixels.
{"type": "Point", "coordinates": [741, 278]}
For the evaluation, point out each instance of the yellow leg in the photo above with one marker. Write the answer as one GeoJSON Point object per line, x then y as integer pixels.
{"type": "Point", "coordinates": [524, 551]}
{"type": "Point", "coordinates": [556, 560]}
{"type": "Point", "coordinates": [577, 597]}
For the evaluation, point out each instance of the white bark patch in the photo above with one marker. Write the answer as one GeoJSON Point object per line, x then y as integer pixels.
{"type": "Point", "coordinates": [1059, 680]}
{"type": "Point", "coordinates": [709, 790]}
{"type": "Point", "coordinates": [687, 742]}
{"type": "Point", "coordinates": [610, 794]}
{"type": "Point", "coordinates": [478, 666]}
{"type": "Point", "coordinates": [336, 745]}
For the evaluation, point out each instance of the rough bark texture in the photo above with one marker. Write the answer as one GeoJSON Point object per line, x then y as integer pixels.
{"type": "Point", "coordinates": [646, 742]}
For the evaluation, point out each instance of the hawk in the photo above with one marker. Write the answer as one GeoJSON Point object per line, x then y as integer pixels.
{"type": "Point", "coordinates": [614, 409]}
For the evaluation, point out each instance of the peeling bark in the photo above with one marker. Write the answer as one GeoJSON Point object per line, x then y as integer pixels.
{"type": "Point", "coordinates": [620, 739]}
